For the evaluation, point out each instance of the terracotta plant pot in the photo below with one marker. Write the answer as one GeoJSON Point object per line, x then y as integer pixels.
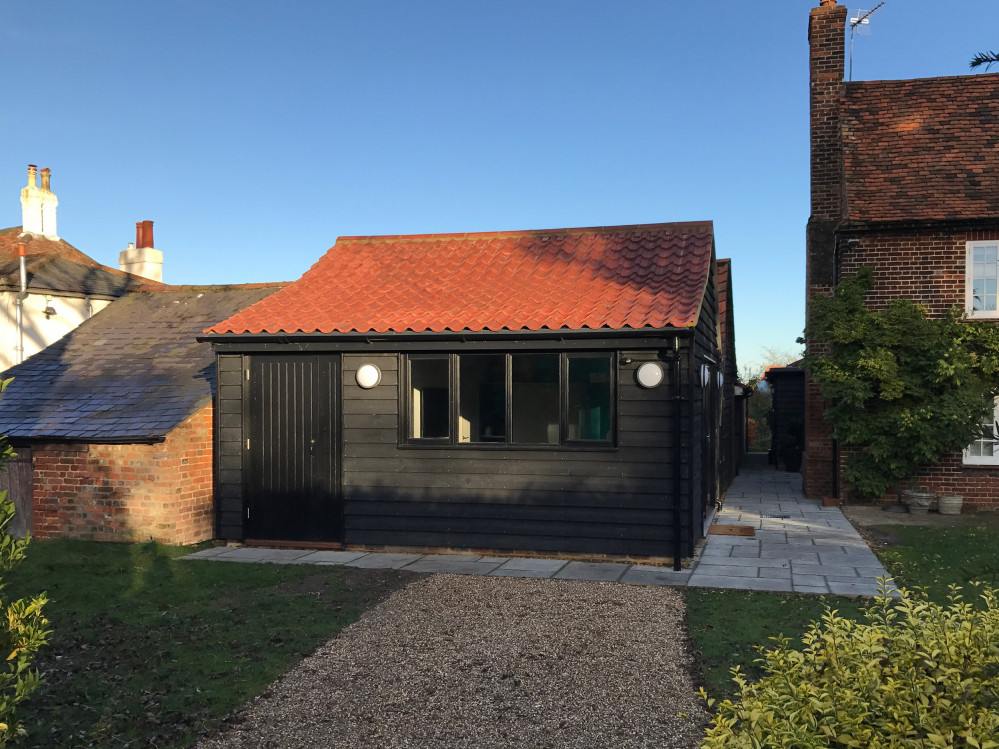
{"type": "Point", "coordinates": [949, 504]}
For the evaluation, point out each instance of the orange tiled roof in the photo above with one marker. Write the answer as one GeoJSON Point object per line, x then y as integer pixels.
{"type": "Point", "coordinates": [923, 149]}
{"type": "Point", "coordinates": [607, 277]}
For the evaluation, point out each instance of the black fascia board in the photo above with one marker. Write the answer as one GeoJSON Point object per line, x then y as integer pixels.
{"type": "Point", "coordinates": [144, 439]}
{"type": "Point", "coordinates": [352, 342]}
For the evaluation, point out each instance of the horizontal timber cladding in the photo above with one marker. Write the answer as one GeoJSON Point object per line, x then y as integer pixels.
{"type": "Point", "coordinates": [229, 513]}
{"type": "Point", "coordinates": [603, 500]}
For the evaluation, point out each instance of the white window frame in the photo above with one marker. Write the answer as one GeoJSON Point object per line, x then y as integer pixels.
{"type": "Point", "coordinates": [969, 280]}
{"type": "Point", "coordinates": [986, 460]}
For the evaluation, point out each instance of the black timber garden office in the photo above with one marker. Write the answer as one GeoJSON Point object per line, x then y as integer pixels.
{"type": "Point", "coordinates": [545, 391]}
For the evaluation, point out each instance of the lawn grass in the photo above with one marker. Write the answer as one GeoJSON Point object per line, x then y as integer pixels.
{"type": "Point", "coordinates": [936, 558]}
{"type": "Point", "coordinates": [149, 650]}
{"type": "Point", "coordinates": [728, 627]}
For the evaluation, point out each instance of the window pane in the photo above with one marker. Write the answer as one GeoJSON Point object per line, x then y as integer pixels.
{"type": "Point", "coordinates": [589, 398]}
{"type": "Point", "coordinates": [535, 398]}
{"type": "Point", "coordinates": [428, 394]}
{"type": "Point", "coordinates": [990, 254]}
{"type": "Point", "coordinates": [482, 398]}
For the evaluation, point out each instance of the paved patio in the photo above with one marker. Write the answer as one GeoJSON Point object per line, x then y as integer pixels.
{"type": "Point", "coordinates": [798, 546]}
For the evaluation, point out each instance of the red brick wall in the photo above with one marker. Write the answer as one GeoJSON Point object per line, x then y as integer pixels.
{"type": "Point", "coordinates": [826, 42]}
{"type": "Point", "coordinates": [827, 54]}
{"type": "Point", "coordinates": [928, 267]}
{"type": "Point", "coordinates": [128, 492]}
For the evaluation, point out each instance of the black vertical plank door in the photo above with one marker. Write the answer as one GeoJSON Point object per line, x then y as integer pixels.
{"type": "Point", "coordinates": [292, 484]}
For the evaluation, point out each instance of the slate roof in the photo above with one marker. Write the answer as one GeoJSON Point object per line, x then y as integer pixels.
{"type": "Point", "coordinates": [131, 373]}
{"type": "Point", "coordinates": [56, 265]}
{"type": "Point", "coordinates": [46, 273]}
{"type": "Point", "coordinates": [611, 277]}
{"type": "Point", "coordinates": [922, 149]}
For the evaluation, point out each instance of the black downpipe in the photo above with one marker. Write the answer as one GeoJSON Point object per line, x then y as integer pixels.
{"type": "Point", "coordinates": [835, 469]}
{"type": "Point", "coordinates": [677, 462]}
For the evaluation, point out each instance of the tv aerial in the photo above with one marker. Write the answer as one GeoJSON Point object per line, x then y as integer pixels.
{"type": "Point", "coordinates": [860, 24]}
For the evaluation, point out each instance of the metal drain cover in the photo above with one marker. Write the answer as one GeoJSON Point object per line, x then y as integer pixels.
{"type": "Point", "coordinates": [776, 517]}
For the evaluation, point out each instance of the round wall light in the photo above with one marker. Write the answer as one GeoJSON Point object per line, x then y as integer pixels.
{"type": "Point", "coordinates": [649, 375]}
{"type": "Point", "coordinates": [705, 375]}
{"type": "Point", "coordinates": [721, 380]}
{"type": "Point", "coordinates": [368, 375]}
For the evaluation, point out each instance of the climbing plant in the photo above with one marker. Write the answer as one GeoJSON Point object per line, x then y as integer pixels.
{"type": "Point", "coordinates": [902, 388]}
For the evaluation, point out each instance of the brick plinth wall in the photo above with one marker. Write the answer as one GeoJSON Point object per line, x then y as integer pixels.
{"type": "Point", "coordinates": [128, 492]}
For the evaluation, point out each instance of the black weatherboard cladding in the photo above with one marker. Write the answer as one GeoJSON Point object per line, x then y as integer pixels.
{"type": "Point", "coordinates": [609, 501]}
{"type": "Point", "coordinates": [131, 373]}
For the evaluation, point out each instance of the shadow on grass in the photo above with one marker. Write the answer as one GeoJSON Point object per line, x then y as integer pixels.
{"type": "Point", "coordinates": [151, 649]}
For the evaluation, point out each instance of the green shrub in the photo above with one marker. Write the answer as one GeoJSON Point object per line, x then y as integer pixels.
{"type": "Point", "coordinates": [25, 629]}
{"type": "Point", "coordinates": [917, 674]}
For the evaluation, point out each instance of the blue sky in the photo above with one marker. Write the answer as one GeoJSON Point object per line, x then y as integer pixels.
{"type": "Point", "coordinates": [253, 134]}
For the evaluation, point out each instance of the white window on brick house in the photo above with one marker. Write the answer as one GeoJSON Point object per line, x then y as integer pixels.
{"type": "Point", "coordinates": [981, 276]}
{"type": "Point", "coordinates": [984, 451]}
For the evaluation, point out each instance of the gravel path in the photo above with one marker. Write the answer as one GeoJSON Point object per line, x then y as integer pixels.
{"type": "Point", "coordinates": [456, 661]}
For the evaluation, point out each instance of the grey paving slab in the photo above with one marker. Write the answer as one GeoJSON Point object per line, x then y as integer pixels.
{"type": "Point", "coordinates": [810, 580]}
{"type": "Point", "coordinates": [853, 560]}
{"type": "Point", "coordinates": [809, 549]}
{"type": "Point", "coordinates": [796, 552]}
{"type": "Point", "coordinates": [384, 561]}
{"type": "Point", "coordinates": [826, 570]}
{"type": "Point", "coordinates": [819, 589]}
{"type": "Point", "coordinates": [527, 564]}
{"type": "Point", "coordinates": [257, 554]}
{"type": "Point", "coordinates": [599, 571]}
{"type": "Point", "coordinates": [450, 557]}
{"type": "Point", "coordinates": [747, 562]}
{"type": "Point", "coordinates": [212, 551]}
{"type": "Point", "coordinates": [716, 551]}
{"type": "Point", "coordinates": [739, 583]}
{"type": "Point", "coordinates": [746, 553]}
{"type": "Point", "coordinates": [453, 566]}
{"type": "Point", "coordinates": [718, 570]}
{"type": "Point", "coordinates": [537, 574]}
{"type": "Point", "coordinates": [331, 557]}
{"type": "Point", "coordinates": [642, 575]}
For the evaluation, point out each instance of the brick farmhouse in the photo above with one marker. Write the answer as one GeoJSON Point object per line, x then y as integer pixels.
{"type": "Point", "coordinates": [904, 179]}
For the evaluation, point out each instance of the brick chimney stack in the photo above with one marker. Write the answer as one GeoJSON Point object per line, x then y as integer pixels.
{"type": "Point", "coordinates": [142, 259]}
{"type": "Point", "coordinates": [38, 205]}
{"type": "Point", "coordinates": [827, 59]}
{"type": "Point", "coordinates": [826, 68]}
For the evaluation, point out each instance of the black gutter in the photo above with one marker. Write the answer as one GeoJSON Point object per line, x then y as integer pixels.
{"type": "Point", "coordinates": [448, 335]}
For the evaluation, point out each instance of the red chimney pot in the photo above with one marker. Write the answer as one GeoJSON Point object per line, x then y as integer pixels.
{"type": "Point", "coordinates": [20, 249]}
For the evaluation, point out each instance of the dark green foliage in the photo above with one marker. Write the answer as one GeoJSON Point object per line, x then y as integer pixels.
{"type": "Point", "coordinates": [916, 674]}
{"type": "Point", "coordinates": [902, 388]}
{"type": "Point", "coordinates": [25, 629]}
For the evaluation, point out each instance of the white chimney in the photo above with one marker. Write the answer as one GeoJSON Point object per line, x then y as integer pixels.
{"type": "Point", "coordinates": [141, 259]}
{"type": "Point", "coordinates": [38, 206]}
